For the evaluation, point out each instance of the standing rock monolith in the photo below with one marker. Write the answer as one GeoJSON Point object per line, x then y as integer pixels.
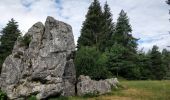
{"type": "Point", "coordinates": [41, 63]}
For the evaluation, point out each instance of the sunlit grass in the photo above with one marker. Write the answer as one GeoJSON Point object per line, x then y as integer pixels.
{"type": "Point", "coordinates": [140, 90]}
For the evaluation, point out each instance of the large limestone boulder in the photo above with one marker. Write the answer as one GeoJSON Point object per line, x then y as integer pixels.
{"type": "Point", "coordinates": [43, 65]}
{"type": "Point", "coordinates": [86, 85]}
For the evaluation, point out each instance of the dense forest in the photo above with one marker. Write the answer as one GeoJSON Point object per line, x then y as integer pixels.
{"type": "Point", "coordinates": [105, 48]}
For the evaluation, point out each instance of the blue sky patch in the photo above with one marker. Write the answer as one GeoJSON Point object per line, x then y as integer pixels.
{"type": "Point", "coordinates": [26, 3]}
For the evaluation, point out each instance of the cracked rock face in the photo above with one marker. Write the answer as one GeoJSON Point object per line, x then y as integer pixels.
{"type": "Point", "coordinates": [45, 66]}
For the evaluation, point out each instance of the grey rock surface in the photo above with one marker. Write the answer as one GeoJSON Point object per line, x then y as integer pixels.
{"type": "Point", "coordinates": [86, 85]}
{"type": "Point", "coordinates": [45, 66]}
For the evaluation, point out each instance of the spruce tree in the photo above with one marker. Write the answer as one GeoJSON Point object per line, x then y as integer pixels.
{"type": "Point", "coordinates": [166, 63]}
{"type": "Point", "coordinates": [126, 53]}
{"type": "Point", "coordinates": [92, 26]}
{"type": "Point", "coordinates": [10, 34]}
{"type": "Point", "coordinates": [107, 28]}
{"type": "Point", "coordinates": [157, 67]}
{"type": "Point", "coordinates": [122, 33]}
{"type": "Point", "coordinates": [144, 64]}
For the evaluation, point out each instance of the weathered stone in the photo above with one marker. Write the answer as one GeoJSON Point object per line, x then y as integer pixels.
{"type": "Point", "coordinates": [113, 82]}
{"type": "Point", "coordinates": [45, 66]}
{"type": "Point", "coordinates": [87, 86]}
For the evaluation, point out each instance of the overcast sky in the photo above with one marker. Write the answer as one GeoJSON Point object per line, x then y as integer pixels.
{"type": "Point", "coordinates": [148, 18]}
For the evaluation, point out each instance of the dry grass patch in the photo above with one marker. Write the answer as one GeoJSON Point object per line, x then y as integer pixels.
{"type": "Point", "coordinates": [137, 92]}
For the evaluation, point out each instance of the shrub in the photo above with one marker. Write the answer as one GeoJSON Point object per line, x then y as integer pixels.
{"type": "Point", "coordinates": [89, 61]}
{"type": "Point", "coordinates": [3, 95]}
{"type": "Point", "coordinates": [33, 97]}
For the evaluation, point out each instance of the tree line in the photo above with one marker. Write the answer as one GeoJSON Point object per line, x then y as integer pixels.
{"type": "Point", "coordinates": [106, 49]}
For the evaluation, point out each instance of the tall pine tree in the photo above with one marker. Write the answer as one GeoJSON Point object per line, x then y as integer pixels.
{"type": "Point", "coordinates": [107, 29]}
{"type": "Point", "coordinates": [126, 54]}
{"type": "Point", "coordinates": [122, 33]}
{"type": "Point", "coordinates": [166, 63]}
{"type": "Point", "coordinates": [157, 68]}
{"type": "Point", "coordinates": [92, 26]}
{"type": "Point", "coordinates": [10, 34]}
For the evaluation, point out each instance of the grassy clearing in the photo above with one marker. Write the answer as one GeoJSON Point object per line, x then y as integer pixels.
{"type": "Point", "coordinates": [133, 90]}
{"type": "Point", "coordinates": [140, 90]}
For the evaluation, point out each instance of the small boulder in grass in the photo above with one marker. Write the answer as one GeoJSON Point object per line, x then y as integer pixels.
{"type": "Point", "coordinates": [86, 85]}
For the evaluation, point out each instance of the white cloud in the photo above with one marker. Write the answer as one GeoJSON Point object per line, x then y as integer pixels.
{"type": "Point", "coordinates": [149, 18]}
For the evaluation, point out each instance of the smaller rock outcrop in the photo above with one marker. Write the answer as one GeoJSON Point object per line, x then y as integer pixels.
{"type": "Point", "coordinates": [86, 85]}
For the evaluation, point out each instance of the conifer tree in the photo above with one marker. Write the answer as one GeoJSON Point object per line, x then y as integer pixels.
{"type": "Point", "coordinates": [91, 62]}
{"type": "Point", "coordinates": [126, 53]}
{"type": "Point", "coordinates": [10, 34]}
{"type": "Point", "coordinates": [166, 63]}
{"type": "Point", "coordinates": [144, 64]}
{"type": "Point", "coordinates": [157, 67]}
{"type": "Point", "coordinates": [92, 26]}
{"type": "Point", "coordinates": [107, 28]}
{"type": "Point", "coordinates": [122, 33]}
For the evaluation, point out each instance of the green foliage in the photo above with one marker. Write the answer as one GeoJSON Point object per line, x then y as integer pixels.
{"type": "Point", "coordinates": [122, 33]}
{"type": "Point", "coordinates": [121, 62]}
{"type": "Point", "coordinates": [92, 26]}
{"type": "Point", "coordinates": [107, 29]}
{"type": "Point", "coordinates": [98, 27]}
{"type": "Point", "coordinates": [10, 34]}
{"type": "Point", "coordinates": [98, 31]}
{"type": "Point", "coordinates": [166, 63]}
{"type": "Point", "coordinates": [123, 54]}
{"type": "Point", "coordinates": [115, 51]}
{"type": "Point", "coordinates": [157, 68]}
{"type": "Point", "coordinates": [114, 59]}
{"type": "Point", "coordinates": [3, 95]}
{"type": "Point", "coordinates": [33, 97]}
{"type": "Point", "coordinates": [145, 65]}
{"type": "Point", "coordinates": [89, 61]}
